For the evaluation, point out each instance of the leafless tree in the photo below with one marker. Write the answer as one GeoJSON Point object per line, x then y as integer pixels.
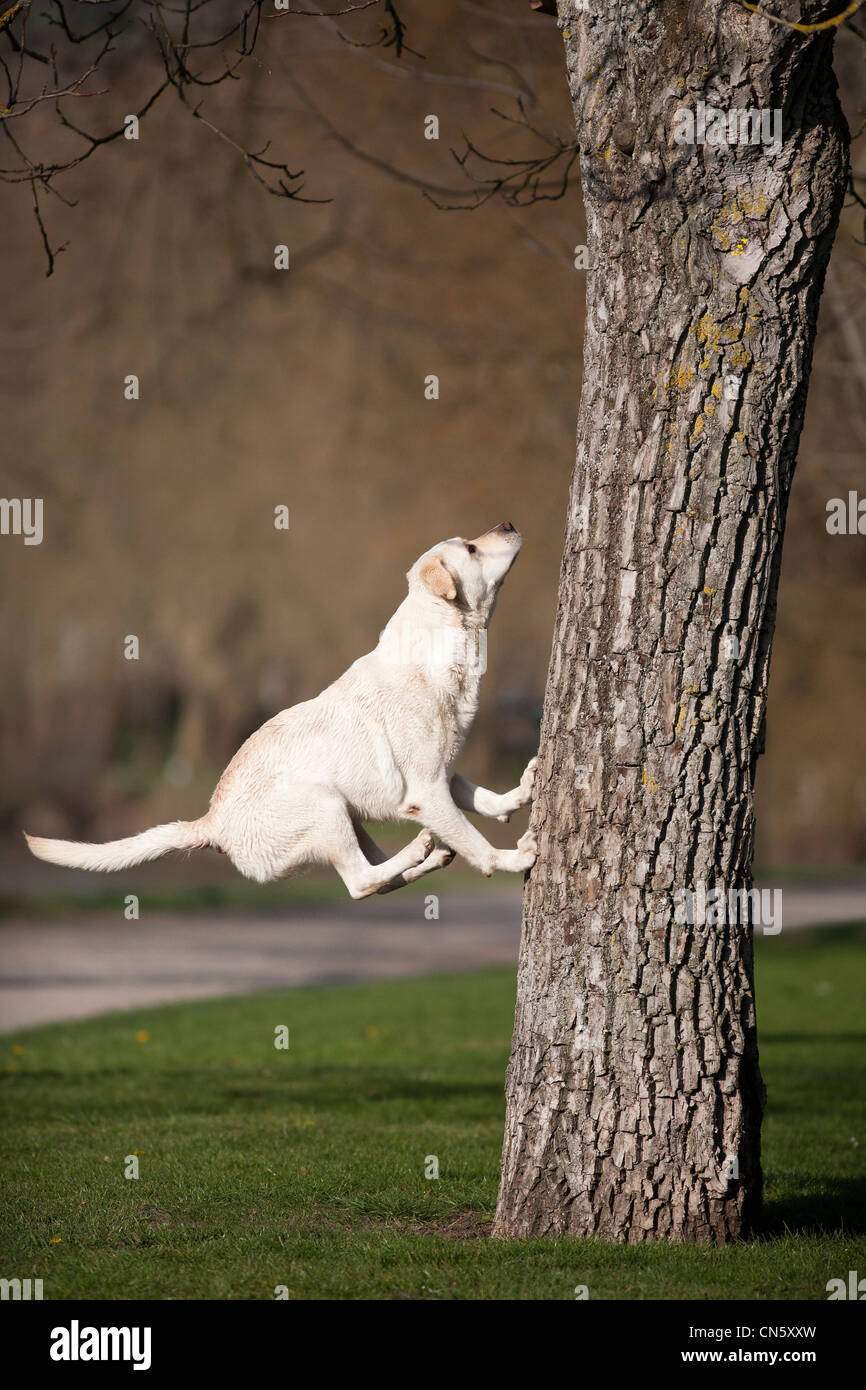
{"type": "Point", "coordinates": [634, 1090]}
{"type": "Point", "coordinates": [60, 57]}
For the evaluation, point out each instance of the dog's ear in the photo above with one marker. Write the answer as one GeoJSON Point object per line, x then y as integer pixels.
{"type": "Point", "coordinates": [435, 577]}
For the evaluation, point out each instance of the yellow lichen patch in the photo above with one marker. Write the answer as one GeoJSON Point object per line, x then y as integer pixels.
{"type": "Point", "coordinates": [708, 331]}
{"type": "Point", "coordinates": [683, 378]}
{"type": "Point", "coordinates": [699, 426]}
{"type": "Point", "coordinates": [751, 203]}
{"type": "Point", "coordinates": [708, 712]}
{"type": "Point", "coordinates": [683, 707]}
{"type": "Point", "coordinates": [736, 207]}
{"type": "Point", "coordinates": [723, 238]}
{"type": "Point", "coordinates": [744, 202]}
{"type": "Point", "coordinates": [716, 390]}
{"type": "Point", "coordinates": [740, 357]}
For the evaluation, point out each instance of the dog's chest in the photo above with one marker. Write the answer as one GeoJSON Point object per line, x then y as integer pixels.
{"type": "Point", "coordinates": [458, 702]}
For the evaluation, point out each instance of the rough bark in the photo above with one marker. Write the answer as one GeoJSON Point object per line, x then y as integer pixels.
{"type": "Point", "coordinates": [634, 1091]}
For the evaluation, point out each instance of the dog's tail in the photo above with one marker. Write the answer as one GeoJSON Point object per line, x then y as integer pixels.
{"type": "Point", "coordinates": [122, 854]}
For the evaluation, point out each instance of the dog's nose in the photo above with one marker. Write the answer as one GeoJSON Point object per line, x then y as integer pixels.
{"type": "Point", "coordinates": [505, 527]}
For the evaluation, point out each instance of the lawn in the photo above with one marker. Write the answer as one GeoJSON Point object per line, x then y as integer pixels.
{"type": "Point", "coordinates": [305, 1168]}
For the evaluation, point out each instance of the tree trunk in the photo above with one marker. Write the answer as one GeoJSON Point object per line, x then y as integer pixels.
{"type": "Point", "coordinates": [634, 1092]}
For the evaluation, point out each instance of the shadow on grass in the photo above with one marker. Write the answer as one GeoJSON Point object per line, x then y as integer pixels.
{"type": "Point", "coordinates": [812, 1204]}
{"type": "Point", "coordinates": [767, 1038]}
{"type": "Point", "coordinates": [206, 1089]}
{"type": "Point", "coordinates": [838, 1206]}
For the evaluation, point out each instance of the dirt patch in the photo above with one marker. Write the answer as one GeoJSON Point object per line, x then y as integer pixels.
{"type": "Point", "coordinates": [155, 1217]}
{"type": "Point", "coordinates": [464, 1225]}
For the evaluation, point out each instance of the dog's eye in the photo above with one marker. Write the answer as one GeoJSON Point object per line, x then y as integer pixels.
{"type": "Point", "coordinates": [471, 549]}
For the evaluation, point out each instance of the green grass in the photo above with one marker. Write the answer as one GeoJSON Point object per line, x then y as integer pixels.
{"type": "Point", "coordinates": [305, 1167]}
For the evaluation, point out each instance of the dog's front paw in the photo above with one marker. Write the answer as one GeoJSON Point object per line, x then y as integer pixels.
{"type": "Point", "coordinates": [527, 782]}
{"type": "Point", "coordinates": [527, 850]}
{"type": "Point", "coordinates": [523, 792]}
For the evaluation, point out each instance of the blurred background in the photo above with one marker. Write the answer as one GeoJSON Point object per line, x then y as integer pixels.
{"type": "Point", "coordinates": [305, 388]}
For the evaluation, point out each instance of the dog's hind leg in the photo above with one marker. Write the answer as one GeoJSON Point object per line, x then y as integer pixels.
{"type": "Point", "coordinates": [339, 841]}
{"type": "Point", "coordinates": [439, 858]}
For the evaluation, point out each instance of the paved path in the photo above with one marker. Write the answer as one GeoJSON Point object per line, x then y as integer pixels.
{"type": "Point", "coordinates": [88, 964]}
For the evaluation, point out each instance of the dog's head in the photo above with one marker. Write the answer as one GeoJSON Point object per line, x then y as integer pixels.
{"type": "Point", "coordinates": [467, 574]}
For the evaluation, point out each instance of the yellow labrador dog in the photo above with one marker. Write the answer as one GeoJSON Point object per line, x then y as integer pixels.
{"type": "Point", "coordinates": [378, 744]}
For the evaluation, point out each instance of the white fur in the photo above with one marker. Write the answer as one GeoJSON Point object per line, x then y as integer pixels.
{"type": "Point", "coordinates": [378, 744]}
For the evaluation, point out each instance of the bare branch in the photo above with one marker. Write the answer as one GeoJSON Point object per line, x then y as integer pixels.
{"type": "Point", "coordinates": [832, 23]}
{"type": "Point", "coordinates": [197, 45]}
